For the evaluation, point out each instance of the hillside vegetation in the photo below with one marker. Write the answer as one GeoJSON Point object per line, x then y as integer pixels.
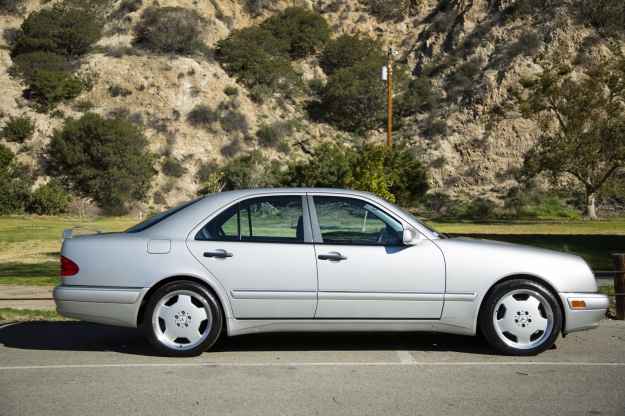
{"type": "Point", "coordinates": [135, 105]}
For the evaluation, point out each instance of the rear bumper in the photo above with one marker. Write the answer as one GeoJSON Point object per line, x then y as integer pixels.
{"type": "Point", "coordinates": [582, 319]}
{"type": "Point", "coordinates": [104, 305]}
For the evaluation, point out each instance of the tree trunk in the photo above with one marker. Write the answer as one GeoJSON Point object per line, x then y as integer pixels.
{"type": "Point", "coordinates": [590, 205]}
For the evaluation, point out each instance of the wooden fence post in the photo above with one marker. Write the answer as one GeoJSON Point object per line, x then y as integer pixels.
{"type": "Point", "coordinates": [619, 284]}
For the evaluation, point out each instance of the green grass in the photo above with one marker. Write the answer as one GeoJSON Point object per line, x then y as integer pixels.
{"type": "Point", "coordinates": [23, 315]}
{"type": "Point", "coordinates": [595, 241]}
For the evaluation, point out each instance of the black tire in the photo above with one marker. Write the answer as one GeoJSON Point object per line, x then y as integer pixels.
{"type": "Point", "coordinates": [174, 332]}
{"type": "Point", "coordinates": [529, 324]}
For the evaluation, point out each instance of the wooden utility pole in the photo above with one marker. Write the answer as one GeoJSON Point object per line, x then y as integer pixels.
{"type": "Point", "coordinates": [389, 127]}
{"type": "Point", "coordinates": [619, 284]}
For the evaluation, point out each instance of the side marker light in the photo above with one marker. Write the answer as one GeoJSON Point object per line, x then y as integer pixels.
{"type": "Point", "coordinates": [578, 304]}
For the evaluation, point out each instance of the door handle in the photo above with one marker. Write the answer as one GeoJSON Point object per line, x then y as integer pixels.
{"type": "Point", "coordinates": [331, 257]}
{"type": "Point", "coordinates": [219, 254]}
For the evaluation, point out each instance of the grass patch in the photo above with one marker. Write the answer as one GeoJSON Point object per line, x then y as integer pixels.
{"type": "Point", "coordinates": [30, 281]}
{"type": "Point", "coordinates": [25, 315]}
{"type": "Point", "coordinates": [594, 241]}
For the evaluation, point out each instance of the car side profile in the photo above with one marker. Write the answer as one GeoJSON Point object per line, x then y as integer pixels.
{"type": "Point", "coordinates": [275, 260]}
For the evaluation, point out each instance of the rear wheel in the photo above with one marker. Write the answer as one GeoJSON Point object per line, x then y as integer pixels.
{"type": "Point", "coordinates": [182, 319]}
{"type": "Point", "coordinates": [521, 317]}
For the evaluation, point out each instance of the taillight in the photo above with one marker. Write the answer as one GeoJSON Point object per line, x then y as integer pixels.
{"type": "Point", "coordinates": [68, 267]}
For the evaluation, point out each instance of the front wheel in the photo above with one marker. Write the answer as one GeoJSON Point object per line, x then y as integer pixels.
{"type": "Point", "coordinates": [521, 317]}
{"type": "Point", "coordinates": [182, 319]}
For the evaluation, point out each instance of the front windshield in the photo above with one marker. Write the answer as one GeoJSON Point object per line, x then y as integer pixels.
{"type": "Point", "coordinates": [429, 227]}
{"type": "Point", "coordinates": [160, 217]}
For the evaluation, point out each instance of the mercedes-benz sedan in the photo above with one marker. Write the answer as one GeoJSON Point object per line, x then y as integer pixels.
{"type": "Point", "coordinates": [271, 260]}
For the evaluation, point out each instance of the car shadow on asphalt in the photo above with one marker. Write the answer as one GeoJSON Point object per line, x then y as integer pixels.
{"type": "Point", "coordinates": [76, 336]}
{"type": "Point", "coordinates": [83, 336]}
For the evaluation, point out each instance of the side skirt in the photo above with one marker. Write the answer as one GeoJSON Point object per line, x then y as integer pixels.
{"type": "Point", "coordinates": [241, 327]}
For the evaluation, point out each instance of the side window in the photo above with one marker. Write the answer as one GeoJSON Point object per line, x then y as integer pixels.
{"type": "Point", "coordinates": [352, 221]}
{"type": "Point", "coordinates": [270, 219]}
{"type": "Point", "coordinates": [223, 227]}
{"type": "Point", "coordinates": [275, 218]}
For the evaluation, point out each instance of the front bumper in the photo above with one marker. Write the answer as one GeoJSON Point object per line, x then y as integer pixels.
{"type": "Point", "coordinates": [582, 319]}
{"type": "Point", "coordinates": [104, 305]}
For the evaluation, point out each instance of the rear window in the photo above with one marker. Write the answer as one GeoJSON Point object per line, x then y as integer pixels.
{"type": "Point", "coordinates": [160, 217]}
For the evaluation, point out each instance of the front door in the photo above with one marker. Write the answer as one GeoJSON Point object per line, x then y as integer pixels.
{"type": "Point", "coordinates": [365, 272]}
{"type": "Point", "coordinates": [260, 251]}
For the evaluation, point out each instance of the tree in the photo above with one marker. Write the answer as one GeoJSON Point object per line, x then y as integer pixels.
{"type": "Point", "coordinates": [581, 121]}
{"type": "Point", "coordinates": [26, 65]}
{"type": "Point", "coordinates": [254, 56]}
{"type": "Point", "coordinates": [306, 32]}
{"type": "Point", "coordinates": [347, 50]}
{"type": "Point", "coordinates": [51, 87]}
{"type": "Point", "coordinates": [328, 168]}
{"type": "Point", "coordinates": [15, 186]}
{"type": "Point", "coordinates": [64, 32]}
{"type": "Point", "coordinates": [355, 99]}
{"type": "Point", "coordinates": [106, 160]}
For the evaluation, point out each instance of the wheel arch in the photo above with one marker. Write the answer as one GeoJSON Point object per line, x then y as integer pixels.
{"type": "Point", "coordinates": [532, 278]}
{"type": "Point", "coordinates": [179, 278]}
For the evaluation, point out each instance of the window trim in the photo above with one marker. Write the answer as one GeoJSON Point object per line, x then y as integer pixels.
{"type": "Point", "coordinates": [318, 238]}
{"type": "Point", "coordinates": [308, 239]}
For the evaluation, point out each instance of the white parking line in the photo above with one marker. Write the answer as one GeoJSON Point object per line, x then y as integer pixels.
{"type": "Point", "coordinates": [400, 349]}
{"type": "Point", "coordinates": [415, 363]}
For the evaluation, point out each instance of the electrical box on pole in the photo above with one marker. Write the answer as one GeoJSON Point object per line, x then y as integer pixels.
{"type": "Point", "coordinates": [384, 75]}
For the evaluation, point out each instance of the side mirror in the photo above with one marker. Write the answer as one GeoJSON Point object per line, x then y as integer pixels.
{"type": "Point", "coordinates": [411, 237]}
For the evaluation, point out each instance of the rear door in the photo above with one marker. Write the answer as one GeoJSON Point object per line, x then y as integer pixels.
{"type": "Point", "coordinates": [261, 251]}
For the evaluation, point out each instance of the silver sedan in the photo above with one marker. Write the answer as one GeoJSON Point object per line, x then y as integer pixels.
{"type": "Point", "coordinates": [272, 260]}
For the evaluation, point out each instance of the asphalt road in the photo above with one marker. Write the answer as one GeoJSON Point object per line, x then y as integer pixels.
{"type": "Point", "coordinates": [79, 368]}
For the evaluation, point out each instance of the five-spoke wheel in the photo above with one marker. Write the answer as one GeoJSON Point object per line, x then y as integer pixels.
{"type": "Point", "coordinates": [521, 317]}
{"type": "Point", "coordinates": [182, 319]}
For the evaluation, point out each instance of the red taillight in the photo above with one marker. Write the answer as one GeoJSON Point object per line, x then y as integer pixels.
{"type": "Point", "coordinates": [68, 267]}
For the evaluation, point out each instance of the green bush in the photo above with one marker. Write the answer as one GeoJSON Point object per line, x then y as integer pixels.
{"type": "Point", "coordinates": [347, 50]}
{"type": "Point", "coordinates": [19, 129]}
{"type": "Point", "coordinates": [267, 136]}
{"type": "Point", "coordinates": [260, 93]}
{"type": "Point", "coordinates": [418, 97]}
{"type": "Point", "coordinates": [64, 32]}
{"type": "Point", "coordinates": [233, 148]}
{"type": "Point", "coordinates": [234, 121]}
{"type": "Point", "coordinates": [103, 159]}
{"type": "Point", "coordinates": [15, 186]}
{"type": "Point", "coordinates": [50, 199]}
{"type": "Point", "coordinates": [49, 88]}
{"type": "Point", "coordinates": [385, 10]}
{"type": "Point", "coordinates": [306, 32]}
{"type": "Point", "coordinates": [248, 171]}
{"type": "Point", "coordinates": [254, 56]}
{"type": "Point", "coordinates": [231, 91]}
{"type": "Point", "coordinates": [83, 105]}
{"type": "Point", "coordinates": [26, 65]}
{"type": "Point", "coordinates": [328, 168]}
{"type": "Point", "coordinates": [354, 99]}
{"type": "Point", "coordinates": [118, 90]}
{"type": "Point", "coordinates": [202, 116]}
{"type": "Point", "coordinates": [172, 167]}
{"type": "Point", "coordinates": [171, 29]}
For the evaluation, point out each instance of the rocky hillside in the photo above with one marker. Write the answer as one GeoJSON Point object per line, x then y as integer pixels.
{"type": "Point", "coordinates": [470, 51]}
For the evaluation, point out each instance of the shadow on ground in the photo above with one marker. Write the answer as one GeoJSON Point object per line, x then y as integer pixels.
{"type": "Point", "coordinates": [81, 336]}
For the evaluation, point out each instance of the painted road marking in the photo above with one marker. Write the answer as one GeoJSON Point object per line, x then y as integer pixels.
{"type": "Point", "coordinates": [415, 363]}
{"type": "Point", "coordinates": [400, 349]}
